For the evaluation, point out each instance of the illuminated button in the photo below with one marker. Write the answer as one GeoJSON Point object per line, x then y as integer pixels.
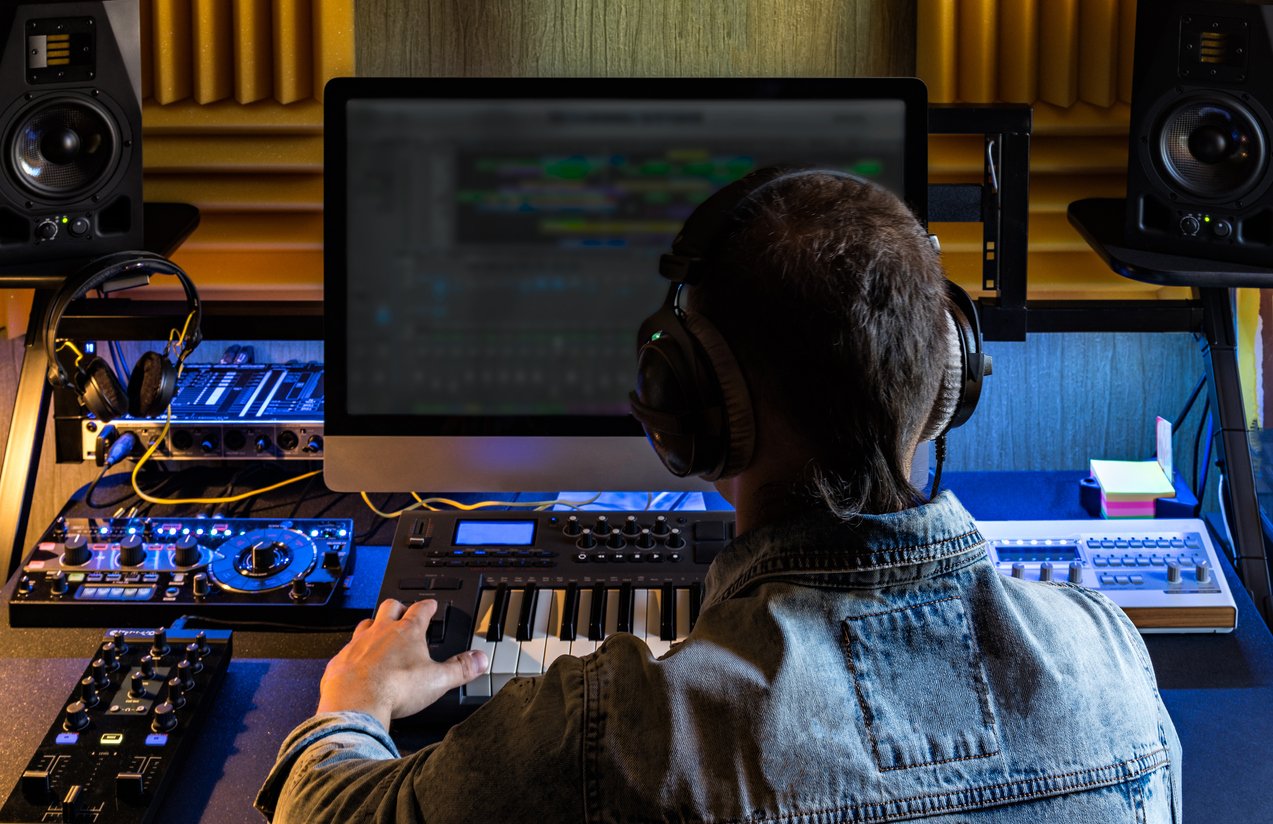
{"type": "Point", "coordinates": [1122, 579]}
{"type": "Point", "coordinates": [1106, 578]}
{"type": "Point", "coordinates": [1100, 561]}
{"type": "Point", "coordinates": [111, 739]}
{"type": "Point", "coordinates": [157, 739]}
{"type": "Point", "coordinates": [67, 737]}
{"type": "Point", "coordinates": [1138, 579]}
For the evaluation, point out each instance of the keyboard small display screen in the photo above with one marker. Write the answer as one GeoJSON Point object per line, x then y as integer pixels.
{"type": "Point", "coordinates": [494, 533]}
{"type": "Point", "coordinates": [1011, 552]}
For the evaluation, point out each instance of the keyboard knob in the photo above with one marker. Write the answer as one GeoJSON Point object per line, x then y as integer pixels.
{"type": "Point", "coordinates": [1203, 572]}
{"type": "Point", "coordinates": [120, 641]}
{"type": "Point", "coordinates": [76, 716]}
{"type": "Point", "coordinates": [194, 654]}
{"type": "Point", "coordinates": [176, 692]}
{"type": "Point", "coordinates": [1173, 572]}
{"type": "Point", "coordinates": [674, 539]}
{"type": "Point", "coordinates": [199, 585]}
{"type": "Point", "coordinates": [586, 539]}
{"type": "Point", "coordinates": [26, 585]}
{"type": "Point", "coordinates": [159, 644]}
{"type": "Point", "coordinates": [646, 540]}
{"type": "Point", "coordinates": [108, 656]}
{"type": "Point", "coordinates": [630, 526]}
{"type": "Point", "coordinates": [1076, 572]}
{"type": "Point", "coordinates": [88, 691]}
{"type": "Point", "coordinates": [131, 551]}
{"type": "Point", "coordinates": [137, 685]}
{"type": "Point", "coordinates": [185, 673]}
{"type": "Point", "coordinates": [147, 665]}
{"type": "Point", "coordinates": [201, 639]}
{"type": "Point", "coordinates": [58, 583]}
{"type": "Point", "coordinates": [616, 541]}
{"type": "Point", "coordinates": [186, 551]}
{"type": "Point", "coordinates": [1045, 571]}
{"type": "Point", "coordinates": [100, 673]}
{"type": "Point", "coordinates": [572, 527]}
{"type": "Point", "coordinates": [165, 718]}
{"type": "Point", "coordinates": [1018, 571]}
{"type": "Point", "coordinates": [300, 588]}
{"type": "Point", "coordinates": [661, 526]}
{"type": "Point", "coordinates": [602, 527]}
{"type": "Point", "coordinates": [75, 551]}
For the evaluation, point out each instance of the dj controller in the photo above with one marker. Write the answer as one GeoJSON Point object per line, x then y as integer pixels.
{"type": "Point", "coordinates": [94, 572]}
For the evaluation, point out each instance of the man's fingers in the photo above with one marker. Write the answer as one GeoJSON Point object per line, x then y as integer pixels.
{"type": "Point", "coordinates": [421, 611]}
{"type": "Point", "coordinates": [389, 610]}
{"type": "Point", "coordinates": [362, 626]}
{"type": "Point", "coordinates": [460, 669]}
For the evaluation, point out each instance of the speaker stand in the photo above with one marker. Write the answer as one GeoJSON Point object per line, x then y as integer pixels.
{"type": "Point", "coordinates": [1100, 222]}
{"type": "Point", "coordinates": [167, 226]}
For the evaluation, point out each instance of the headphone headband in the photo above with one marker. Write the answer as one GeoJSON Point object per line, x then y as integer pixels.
{"type": "Point", "coordinates": [100, 272]}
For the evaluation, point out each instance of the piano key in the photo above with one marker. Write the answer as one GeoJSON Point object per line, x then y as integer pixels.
{"type": "Point", "coordinates": [667, 618]}
{"type": "Point", "coordinates": [682, 614]}
{"type": "Point", "coordinates": [640, 606]}
{"type": "Point", "coordinates": [527, 615]}
{"type": "Point", "coordinates": [501, 609]}
{"type": "Point", "coordinates": [583, 645]}
{"type": "Point", "coordinates": [624, 620]}
{"type": "Point", "coordinates": [696, 602]}
{"type": "Point", "coordinates": [597, 614]}
{"type": "Point", "coordinates": [531, 661]}
{"type": "Point", "coordinates": [569, 612]}
{"type": "Point", "coordinates": [504, 661]}
{"type": "Point", "coordinates": [481, 686]}
{"type": "Point", "coordinates": [653, 621]}
{"type": "Point", "coordinates": [557, 645]}
{"type": "Point", "coordinates": [611, 625]}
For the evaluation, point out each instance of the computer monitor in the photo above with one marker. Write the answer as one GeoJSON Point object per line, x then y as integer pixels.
{"type": "Point", "coordinates": [491, 247]}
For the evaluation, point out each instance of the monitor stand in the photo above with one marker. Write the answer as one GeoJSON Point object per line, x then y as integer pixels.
{"type": "Point", "coordinates": [1100, 222]}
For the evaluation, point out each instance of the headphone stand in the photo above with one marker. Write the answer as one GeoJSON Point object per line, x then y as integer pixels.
{"type": "Point", "coordinates": [1100, 222]}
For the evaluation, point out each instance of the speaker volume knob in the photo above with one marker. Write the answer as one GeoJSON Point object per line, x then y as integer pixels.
{"type": "Point", "coordinates": [131, 551]}
{"type": "Point", "coordinates": [1189, 226]}
{"type": "Point", "coordinates": [75, 551]}
{"type": "Point", "coordinates": [1018, 570]}
{"type": "Point", "coordinates": [80, 227]}
{"type": "Point", "coordinates": [186, 551]}
{"type": "Point", "coordinates": [46, 230]}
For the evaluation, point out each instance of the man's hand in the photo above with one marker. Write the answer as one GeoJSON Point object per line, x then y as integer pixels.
{"type": "Point", "coordinates": [386, 671]}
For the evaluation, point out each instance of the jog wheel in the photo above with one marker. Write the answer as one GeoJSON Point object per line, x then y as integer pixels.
{"type": "Point", "coordinates": [262, 560]}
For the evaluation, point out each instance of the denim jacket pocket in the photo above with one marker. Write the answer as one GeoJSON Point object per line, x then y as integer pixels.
{"type": "Point", "coordinates": [920, 685]}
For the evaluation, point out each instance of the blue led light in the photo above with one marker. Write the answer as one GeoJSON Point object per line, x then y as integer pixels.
{"type": "Point", "coordinates": [132, 530]}
{"type": "Point", "coordinates": [342, 532]}
{"type": "Point", "coordinates": [313, 533]}
{"type": "Point", "coordinates": [199, 531]}
{"type": "Point", "coordinates": [105, 530]}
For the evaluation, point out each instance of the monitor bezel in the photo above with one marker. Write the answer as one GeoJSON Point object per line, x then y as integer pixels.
{"type": "Point", "coordinates": [340, 91]}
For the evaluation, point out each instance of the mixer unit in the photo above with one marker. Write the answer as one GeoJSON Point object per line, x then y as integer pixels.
{"type": "Point", "coordinates": [87, 571]}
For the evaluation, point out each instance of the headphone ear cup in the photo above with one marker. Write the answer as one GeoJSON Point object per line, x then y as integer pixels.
{"type": "Point", "coordinates": [152, 385]}
{"type": "Point", "coordinates": [661, 397]}
{"type": "Point", "coordinates": [950, 393]}
{"type": "Point", "coordinates": [738, 422]}
{"type": "Point", "coordinates": [101, 391]}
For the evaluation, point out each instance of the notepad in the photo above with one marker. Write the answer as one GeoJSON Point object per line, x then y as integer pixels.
{"type": "Point", "coordinates": [1130, 481]}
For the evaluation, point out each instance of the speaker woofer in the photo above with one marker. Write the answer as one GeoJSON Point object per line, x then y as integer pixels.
{"type": "Point", "coordinates": [1212, 148]}
{"type": "Point", "coordinates": [63, 148]}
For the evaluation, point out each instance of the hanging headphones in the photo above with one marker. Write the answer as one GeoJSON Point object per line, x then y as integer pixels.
{"type": "Point", "coordinates": [154, 377]}
{"type": "Point", "coordinates": [691, 397]}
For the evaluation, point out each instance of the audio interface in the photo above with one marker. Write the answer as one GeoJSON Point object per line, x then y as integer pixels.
{"type": "Point", "coordinates": [112, 754]}
{"type": "Point", "coordinates": [87, 571]}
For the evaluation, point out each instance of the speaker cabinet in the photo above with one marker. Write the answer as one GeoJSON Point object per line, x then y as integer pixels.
{"type": "Point", "coordinates": [1199, 176]}
{"type": "Point", "coordinates": [70, 132]}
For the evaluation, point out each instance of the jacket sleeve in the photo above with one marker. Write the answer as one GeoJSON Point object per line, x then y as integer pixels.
{"type": "Point", "coordinates": [518, 756]}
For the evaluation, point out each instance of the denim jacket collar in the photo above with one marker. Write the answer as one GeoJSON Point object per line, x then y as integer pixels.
{"type": "Point", "coordinates": [819, 549]}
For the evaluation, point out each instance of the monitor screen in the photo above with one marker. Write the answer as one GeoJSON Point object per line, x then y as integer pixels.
{"type": "Point", "coordinates": [492, 247]}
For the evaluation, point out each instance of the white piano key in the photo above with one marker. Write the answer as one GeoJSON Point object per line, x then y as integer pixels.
{"type": "Point", "coordinates": [507, 649]}
{"type": "Point", "coordinates": [640, 603]}
{"type": "Point", "coordinates": [530, 660]}
{"type": "Point", "coordinates": [581, 645]}
{"type": "Point", "coordinates": [481, 686]}
{"type": "Point", "coordinates": [554, 647]}
{"type": "Point", "coordinates": [611, 624]}
{"type": "Point", "coordinates": [653, 617]}
{"type": "Point", "coordinates": [682, 614]}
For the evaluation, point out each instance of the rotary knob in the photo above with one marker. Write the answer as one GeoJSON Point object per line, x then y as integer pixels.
{"type": "Point", "coordinates": [194, 654]}
{"type": "Point", "coordinates": [185, 552]}
{"type": "Point", "coordinates": [300, 588]}
{"type": "Point", "coordinates": [616, 541]}
{"type": "Point", "coordinates": [586, 539]}
{"type": "Point", "coordinates": [110, 655]}
{"type": "Point", "coordinates": [176, 692]}
{"type": "Point", "coordinates": [674, 539]}
{"type": "Point", "coordinates": [630, 526]}
{"type": "Point", "coordinates": [58, 584]}
{"type": "Point", "coordinates": [201, 640]}
{"type": "Point", "coordinates": [131, 551]}
{"type": "Point", "coordinates": [1189, 226]}
{"type": "Point", "coordinates": [199, 585]}
{"type": "Point", "coordinates": [661, 526]}
{"type": "Point", "coordinates": [88, 691]}
{"type": "Point", "coordinates": [100, 673]}
{"type": "Point", "coordinates": [1045, 571]}
{"type": "Point", "coordinates": [602, 527]}
{"type": "Point", "coordinates": [137, 685]}
{"type": "Point", "coordinates": [147, 666]}
{"type": "Point", "coordinates": [76, 716]}
{"type": "Point", "coordinates": [1018, 571]}
{"type": "Point", "coordinates": [120, 641]}
{"type": "Point", "coordinates": [1076, 572]}
{"type": "Point", "coordinates": [165, 717]}
{"type": "Point", "coordinates": [1203, 572]}
{"type": "Point", "coordinates": [26, 585]}
{"type": "Point", "coordinates": [645, 540]}
{"type": "Point", "coordinates": [1173, 572]}
{"type": "Point", "coordinates": [159, 644]}
{"type": "Point", "coordinates": [572, 527]}
{"type": "Point", "coordinates": [185, 673]}
{"type": "Point", "coordinates": [263, 558]}
{"type": "Point", "coordinates": [46, 230]}
{"type": "Point", "coordinates": [75, 551]}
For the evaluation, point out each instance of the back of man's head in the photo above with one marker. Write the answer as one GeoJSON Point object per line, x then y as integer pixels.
{"type": "Point", "coordinates": [832, 298]}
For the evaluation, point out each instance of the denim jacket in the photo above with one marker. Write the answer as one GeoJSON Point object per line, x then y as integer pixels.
{"type": "Point", "coordinates": [873, 671]}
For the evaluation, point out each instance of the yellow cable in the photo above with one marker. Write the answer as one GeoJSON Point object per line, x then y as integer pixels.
{"type": "Point", "coordinates": [366, 500]}
{"type": "Point", "coordinates": [79, 356]}
{"type": "Point", "coordinates": [426, 503]}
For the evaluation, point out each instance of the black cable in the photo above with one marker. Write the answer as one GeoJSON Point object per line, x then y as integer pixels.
{"type": "Point", "coordinates": [301, 498]}
{"type": "Point", "coordinates": [940, 443]}
{"type": "Point", "coordinates": [1193, 396]}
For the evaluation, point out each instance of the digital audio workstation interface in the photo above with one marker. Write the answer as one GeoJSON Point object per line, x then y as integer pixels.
{"type": "Point", "coordinates": [501, 252]}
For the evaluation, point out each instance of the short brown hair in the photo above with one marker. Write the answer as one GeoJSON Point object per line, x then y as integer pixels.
{"type": "Point", "coordinates": [831, 296]}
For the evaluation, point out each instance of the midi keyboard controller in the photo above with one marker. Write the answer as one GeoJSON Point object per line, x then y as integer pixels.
{"type": "Point", "coordinates": [527, 588]}
{"type": "Point", "coordinates": [95, 572]}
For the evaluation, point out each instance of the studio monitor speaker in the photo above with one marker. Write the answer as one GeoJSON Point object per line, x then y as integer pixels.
{"type": "Point", "coordinates": [1199, 176]}
{"type": "Point", "coordinates": [70, 132]}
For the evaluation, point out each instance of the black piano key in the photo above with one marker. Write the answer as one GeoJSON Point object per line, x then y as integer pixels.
{"type": "Point", "coordinates": [624, 623]}
{"type": "Point", "coordinates": [667, 617]}
{"type": "Point", "coordinates": [570, 612]}
{"type": "Point", "coordinates": [696, 601]}
{"type": "Point", "coordinates": [526, 618]}
{"type": "Point", "coordinates": [499, 613]}
{"type": "Point", "coordinates": [597, 620]}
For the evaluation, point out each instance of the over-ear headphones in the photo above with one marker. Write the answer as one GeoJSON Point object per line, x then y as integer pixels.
{"type": "Point", "coordinates": [154, 377]}
{"type": "Point", "coordinates": [691, 397]}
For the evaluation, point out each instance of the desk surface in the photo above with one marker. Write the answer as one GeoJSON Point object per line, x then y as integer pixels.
{"type": "Point", "coordinates": [1218, 688]}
